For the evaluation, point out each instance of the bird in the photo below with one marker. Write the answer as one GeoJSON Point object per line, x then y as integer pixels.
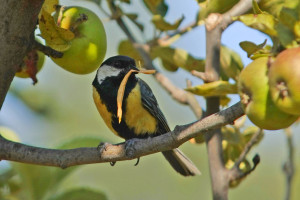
{"type": "Point", "coordinates": [142, 117]}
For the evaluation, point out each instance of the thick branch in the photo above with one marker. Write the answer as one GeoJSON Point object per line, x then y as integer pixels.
{"type": "Point", "coordinates": [64, 158]}
{"type": "Point", "coordinates": [17, 21]}
{"type": "Point", "coordinates": [240, 8]}
{"type": "Point", "coordinates": [215, 24]}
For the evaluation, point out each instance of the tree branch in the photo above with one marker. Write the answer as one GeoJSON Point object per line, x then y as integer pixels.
{"type": "Point", "coordinates": [47, 50]}
{"type": "Point", "coordinates": [17, 21]}
{"type": "Point", "coordinates": [248, 147]}
{"type": "Point", "coordinates": [65, 158]}
{"type": "Point", "coordinates": [289, 165]}
{"type": "Point", "coordinates": [235, 173]}
{"type": "Point", "coordinates": [215, 24]}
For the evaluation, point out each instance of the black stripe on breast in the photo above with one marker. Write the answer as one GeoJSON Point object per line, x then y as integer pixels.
{"type": "Point", "coordinates": [108, 91]}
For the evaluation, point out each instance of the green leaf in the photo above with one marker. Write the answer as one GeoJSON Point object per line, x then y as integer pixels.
{"type": "Point", "coordinates": [126, 48]}
{"type": "Point", "coordinates": [297, 29]}
{"type": "Point", "coordinates": [231, 135]}
{"type": "Point", "coordinates": [133, 17]}
{"type": "Point", "coordinates": [273, 7]}
{"type": "Point", "coordinates": [126, 1]}
{"type": "Point", "coordinates": [256, 9]}
{"type": "Point", "coordinates": [215, 6]}
{"type": "Point", "coordinates": [231, 63]}
{"type": "Point", "coordinates": [251, 47]}
{"type": "Point", "coordinates": [286, 36]}
{"type": "Point", "coordinates": [37, 181]}
{"type": "Point", "coordinates": [156, 7]}
{"type": "Point", "coordinates": [263, 22]}
{"type": "Point", "coordinates": [172, 58]}
{"type": "Point", "coordinates": [216, 88]}
{"type": "Point", "coordinates": [162, 25]}
{"type": "Point", "coordinates": [249, 132]}
{"type": "Point", "coordinates": [80, 194]}
{"type": "Point", "coordinates": [288, 17]}
{"type": "Point", "coordinates": [169, 66]}
{"type": "Point", "coordinates": [98, 2]}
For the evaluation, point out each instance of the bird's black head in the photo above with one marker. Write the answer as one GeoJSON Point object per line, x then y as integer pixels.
{"type": "Point", "coordinates": [120, 62]}
{"type": "Point", "coordinates": [116, 66]}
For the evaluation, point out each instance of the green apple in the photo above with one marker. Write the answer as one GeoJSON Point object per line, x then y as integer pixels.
{"type": "Point", "coordinates": [88, 48]}
{"type": "Point", "coordinates": [256, 99]}
{"type": "Point", "coordinates": [284, 81]}
{"type": "Point", "coordinates": [32, 64]}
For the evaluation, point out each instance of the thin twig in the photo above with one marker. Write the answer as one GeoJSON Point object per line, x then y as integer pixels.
{"type": "Point", "coordinates": [193, 103]}
{"type": "Point", "coordinates": [238, 175]}
{"type": "Point", "coordinates": [202, 75]}
{"type": "Point", "coordinates": [289, 165]}
{"type": "Point", "coordinates": [64, 158]}
{"type": "Point", "coordinates": [47, 50]}
{"type": "Point", "coordinates": [174, 36]}
{"type": "Point", "coordinates": [248, 147]}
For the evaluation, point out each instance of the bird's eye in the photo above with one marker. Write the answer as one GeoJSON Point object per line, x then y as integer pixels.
{"type": "Point", "coordinates": [118, 63]}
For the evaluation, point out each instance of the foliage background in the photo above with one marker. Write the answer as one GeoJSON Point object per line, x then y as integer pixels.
{"type": "Point", "coordinates": [62, 109]}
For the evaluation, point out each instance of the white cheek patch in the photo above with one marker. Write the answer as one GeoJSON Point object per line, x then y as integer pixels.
{"type": "Point", "coordinates": [106, 71]}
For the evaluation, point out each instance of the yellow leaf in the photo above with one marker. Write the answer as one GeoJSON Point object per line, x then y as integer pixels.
{"type": "Point", "coordinates": [263, 22]}
{"type": "Point", "coordinates": [224, 101]}
{"type": "Point", "coordinates": [55, 36]}
{"type": "Point", "coordinates": [49, 5]}
{"type": "Point", "coordinates": [127, 49]}
{"type": "Point", "coordinates": [231, 63]}
{"type": "Point", "coordinates": [162, 25]}
{"type": "Point", "coordinates": [172, 58]}
{"type": "Point", "coordinates": [216, 88]}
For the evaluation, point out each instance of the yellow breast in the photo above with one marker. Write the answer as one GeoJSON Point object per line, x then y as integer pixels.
{"type": "Point", "coordinates": [102, 109]}
{"type": "Point", "coordinates": [136, 116]}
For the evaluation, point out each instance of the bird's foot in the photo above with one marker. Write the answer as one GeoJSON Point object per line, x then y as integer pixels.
{"type": "Point", "coordinates": [130, 149]}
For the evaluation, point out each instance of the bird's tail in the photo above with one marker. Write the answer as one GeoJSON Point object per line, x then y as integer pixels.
{"type": "Point", "coordinates": [181, 163]}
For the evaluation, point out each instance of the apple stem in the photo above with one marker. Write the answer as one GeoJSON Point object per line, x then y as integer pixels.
{"type": "Point", "coordinates": [82, 18]}
{"type": "Point", "coordinates": [60, 9]}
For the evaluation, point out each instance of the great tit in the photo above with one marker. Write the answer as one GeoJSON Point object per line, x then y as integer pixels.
{"type": "Point", "coordinates": [141, 116]}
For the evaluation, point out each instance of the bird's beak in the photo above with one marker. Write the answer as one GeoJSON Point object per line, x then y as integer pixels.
{"type": "Point", "coordinates": [146, 71]}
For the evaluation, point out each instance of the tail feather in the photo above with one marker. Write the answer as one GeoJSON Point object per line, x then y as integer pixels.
{"type": "Point", "coordinates": [181, 163]}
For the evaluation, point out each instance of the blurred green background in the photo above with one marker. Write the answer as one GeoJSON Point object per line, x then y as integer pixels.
{"type": "Point", "coordinates": [60, 108]}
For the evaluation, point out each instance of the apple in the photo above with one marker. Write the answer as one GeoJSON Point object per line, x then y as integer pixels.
{"type": "Point", "coordinates": [31, 65]}
{"type": "Point", "coordinates": [284, 81]}
{"type": "Point", "coordinates": [88, 48]}
{"type": "Point", "coordinates": [256, 99]}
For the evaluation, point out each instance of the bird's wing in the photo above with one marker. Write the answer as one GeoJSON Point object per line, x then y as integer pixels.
{"type": "Point", "coordinates": [150, 103]}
